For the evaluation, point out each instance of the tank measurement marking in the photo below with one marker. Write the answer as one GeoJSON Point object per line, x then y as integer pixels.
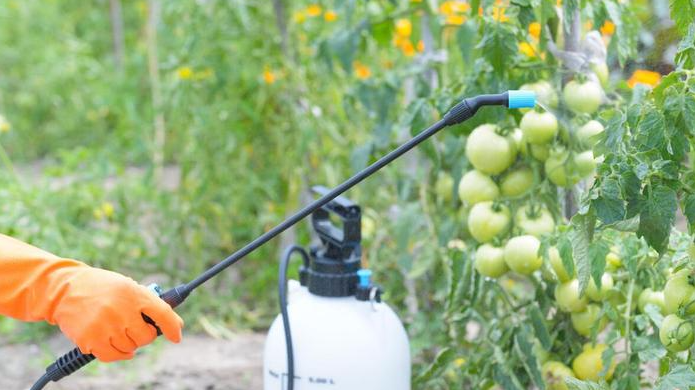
{"type": "Point", "coordinates": [312, 379]}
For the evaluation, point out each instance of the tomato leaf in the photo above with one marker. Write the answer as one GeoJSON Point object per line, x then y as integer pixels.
{"type": "Point", "coordinates": [682, 12]}
{"type": "Point", "coordinates": [580, 237]}
{"type": "Point", "coordinates": [680, 377]}
{"type": "Point", "coordinates": [657, 216]}
{"type": "Point", "coordinates": [689, 210]}
{"type": "Point", "coordinates": [503, 374]}
{"type": "Point", "coordinates": [443, 358]}
{"type": "Point", "coordinates": [565, 248]}
{"type": "Point", "coordinates": [539, 326]}
{"type": "Point", "coordinates": [597, 253]}
{"type": "Point", "coordinates": [685, 54]}
{"type": "Point", "coordinates": [649, 348]}
{"type": "Point", "coordinates": [576, 384]}
{"type": "Point", "coordinates": [524, 347]}
{"type": "Point", "coordinates": [609, 206]}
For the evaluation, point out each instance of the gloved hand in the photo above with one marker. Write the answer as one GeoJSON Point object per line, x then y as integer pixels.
{"type": "Point", "coordinates": [101, 311]}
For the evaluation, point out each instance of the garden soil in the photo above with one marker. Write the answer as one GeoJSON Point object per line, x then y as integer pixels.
{"type": "Point", "coordinates": [198, 363]}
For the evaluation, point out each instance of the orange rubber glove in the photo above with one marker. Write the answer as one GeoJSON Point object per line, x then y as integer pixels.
{"type": "Point", "coordinates": [100, 311]}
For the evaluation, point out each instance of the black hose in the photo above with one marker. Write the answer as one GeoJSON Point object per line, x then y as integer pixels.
{"type": "Point", "coordinates": [282, 293]}
{"type": "Point", "coordinates": [41, 383]}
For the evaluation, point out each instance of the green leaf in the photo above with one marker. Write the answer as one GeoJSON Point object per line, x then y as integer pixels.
{"type": "Point", "coordinates": [502, 373]}
{"type": "Point", "coordinates": [576, 384]}
{"type": "Point", "coordinates": [580, 237]}
{"type": "Point", "coordinates": [681, 377]}
{"type": "Point", "coordinates": [654, 314]}
{"type": "Point", "coordinates": [657, 216]}
{"type": "Point", "coordinates": [498, 46]}
{"type": "Point", "coordinates": [689, 210]}
{"type": "Point", "coordinates": [443, 358]}
{"type": "Point", "coordinates": [649, 348]}
{"type": "Point", "coordinates": [685, 54]}
{"type": "Point", "coordinates": [651, 130]}
{"type": "Point", "coordinates": [597, 253]}
{"type": "Point", "coordinates": [564, 246]}
{"type": "Point", "coordinates": [539, 326]}
{"type": "Point", "coordinates": [609, 206]}
{"type": "Point", "coordinates": [528, 358]}
{"type": "Point", "coordinates": [683, 13]}
{"type": "Point", "coordinates": [466, 38]}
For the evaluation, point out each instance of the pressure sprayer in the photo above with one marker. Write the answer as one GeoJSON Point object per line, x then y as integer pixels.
{"type": "Point", "coordinates": [464, 110]}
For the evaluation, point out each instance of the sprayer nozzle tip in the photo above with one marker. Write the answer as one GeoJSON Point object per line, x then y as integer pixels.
{"type": "Point", "coordinates": [522, 99]}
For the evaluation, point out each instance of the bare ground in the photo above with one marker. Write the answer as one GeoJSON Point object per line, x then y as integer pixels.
{"type": "Point", "coordinates": [199, 362]}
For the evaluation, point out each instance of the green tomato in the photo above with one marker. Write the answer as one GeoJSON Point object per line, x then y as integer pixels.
{"type": "Point", "coordinates": [596, 294]}
{"type": "Point", "coordinates": [648, 296]}
{"type": "Point", "coordinates": [679, 292]}
{"type": "Point", "coordinates": [675, 333]}
{"type": "Point", "coordinates": [517, 136]}
{"type": "Point", "coordinates": [557, 265]}
{"type": "Point", "coordinates": [488, 151]}
{"type": "Point", "coordinates": [516, 182]}
{"type": "Point", "coordinates": [565, 171]}
{"type": "Point", "coordinates": [613, 260]}
{"type": "Point", "coordinates": [585, 163]}
{"type": "Point", "coordinates": [536, 224]}
{"type": "Point", "coordinates": [538, 127]}
{"type": "Point", "coordinates": [444, 187]}
{"type": "Point", "coordinates": [588, 365]}
{"type": "Point", "coordinates": [583, 97]}
{"type": "Point", "coordinates": [486, 222]}
{"type": "Point", "coordinates": [540, 152]}
{"type": "Point", "coordinates": [476, 187]}
{"type": "Point", "coordinates": [584, 321]}
{"type": "Point", "coordinates": [554, 374]}
{"type": "Point", "coordinates": [567, 297]}
{"type": "Point", "coordinates": [601, 71]}
{"type": "Point", "coordinates": [521, 254]}
{"type": "Point", "coordinates": [587, 133]}
{"type": "Point", "coordinates": [545, 93]}
{"type": "Point", "coordinates": [489, 261]}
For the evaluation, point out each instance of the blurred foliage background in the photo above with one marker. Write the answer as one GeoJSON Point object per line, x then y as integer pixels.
{"type": "Point", "coordinates": [155, 138]}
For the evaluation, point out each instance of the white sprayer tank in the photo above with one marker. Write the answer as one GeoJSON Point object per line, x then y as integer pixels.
{"type": "Point", "coordinates": [339, 344]}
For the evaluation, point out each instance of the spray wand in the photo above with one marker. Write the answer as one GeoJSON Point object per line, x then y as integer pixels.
{"type": "Point", "coordinates": [464, 110]}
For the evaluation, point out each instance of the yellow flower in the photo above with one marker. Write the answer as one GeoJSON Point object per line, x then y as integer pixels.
{"type": "Point", "coordinates": [4, 125]}
{"type": "Point", "coordinates": [420, 46]}
{"type": "Point", "coordinates": [299, 17]}
{"type": "Point", "coordinates": [361, 71]}
{"type": "Point", "coordinates": [314, 10]}
{"type": "Point", "coordinates": [404, 27]}
{"type": "Point", "coordinates": [408, 48]}
{"type": "Point", "coordinates": [527, 48]}
{"type": "Point", "coordinates": [330, 16]}
{"type": "Point", "coordinates": [534, 29]}
{"type": "Point", "coordinates": [455, 20]}
{"type": "Point", "coordinates": [459, 362]}
{"type": "Point", "coordinates": [608, 28]}
{"type": "Point", "coordinates": [452, 7]}
{"type": "Point", "coordinates": [646, 77]}
{"type": "Point", "coordinates": [107, 209]}
{"type": "Point", "coordinates": [268, 76]}
{"type": "Point", "coordinates": [498, 14]}
{"type": "Point", "coordinates": [184, 72]}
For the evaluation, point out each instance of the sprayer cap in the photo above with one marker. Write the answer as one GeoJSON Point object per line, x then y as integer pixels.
{"type": "Point", "coordinates": [522, 99]}
{"type": "Point", "coordinates": [365, 276]}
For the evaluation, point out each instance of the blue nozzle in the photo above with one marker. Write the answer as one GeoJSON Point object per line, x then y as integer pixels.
{"type": "Point", "coordinates": [365, 276]}
{"type": "Point", "coordinates": [522, 99]}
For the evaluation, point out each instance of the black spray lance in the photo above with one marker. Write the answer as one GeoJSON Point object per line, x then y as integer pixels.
{"type": "Point", "coordinates": [74, 360]}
